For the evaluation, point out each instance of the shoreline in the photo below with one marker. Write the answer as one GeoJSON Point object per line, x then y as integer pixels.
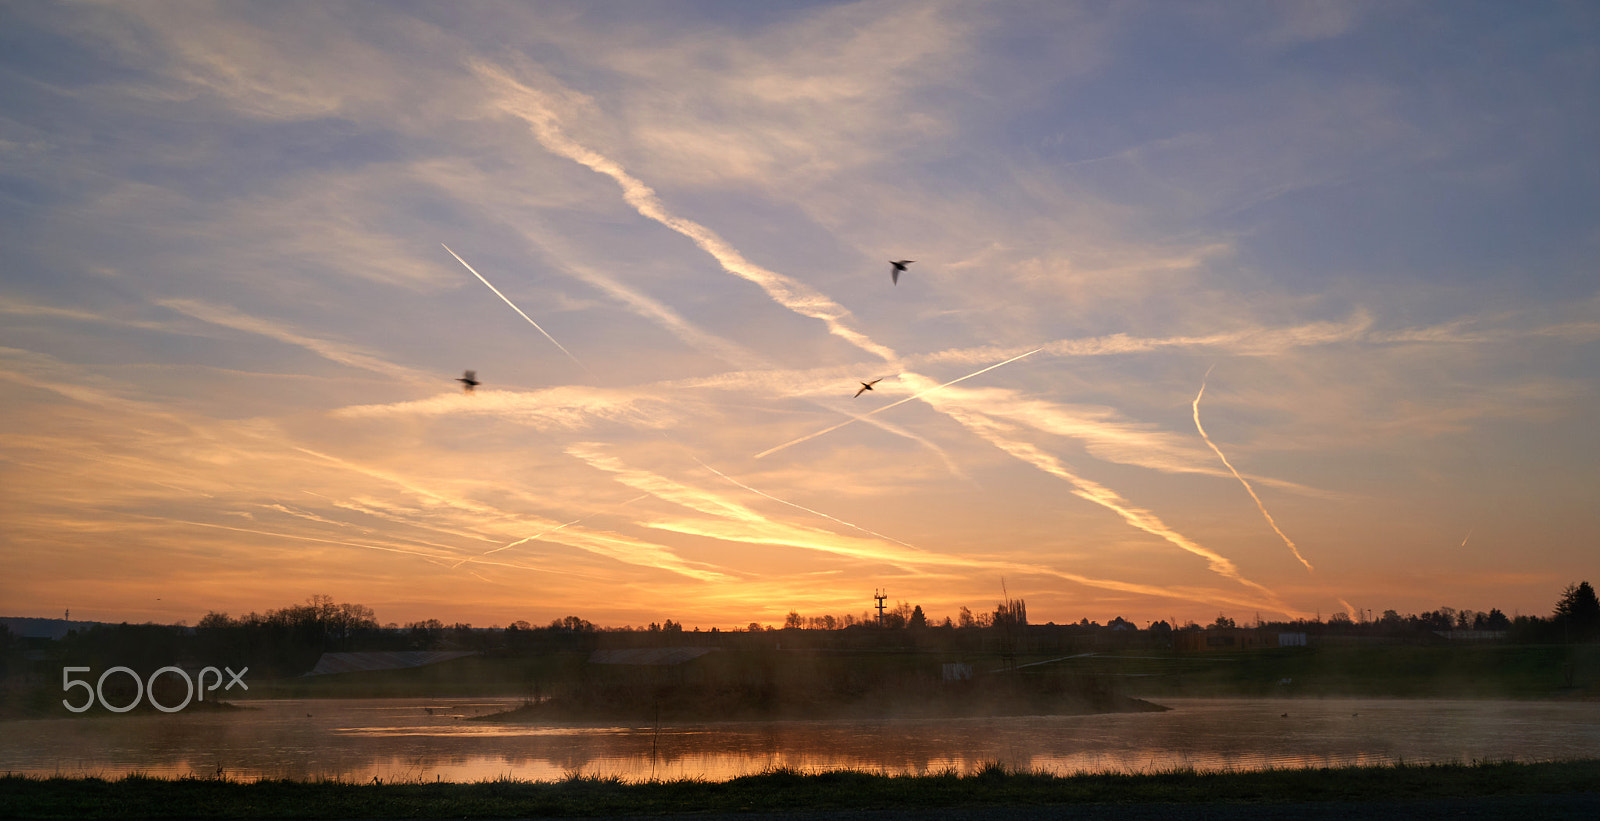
{"type": "Point", "coordinates": [692, 704]}
{"type": "Point", "coordinates": [524, 714]}
{"type": "Point", "coordinates": [1401, 787]}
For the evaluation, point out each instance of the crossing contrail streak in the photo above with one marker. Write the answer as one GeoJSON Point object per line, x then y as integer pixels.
{"type": "Point", "coordinates": [769, 451]}
{"type": "Point", "coordinates": [803, 507]}
{"type": "Point", "coordinates": [1247, 488]}
{"type": "Point", "coordinates": [663, 434]}
{"type": "Point", "coordinates": [433, 557]}
{"type": "Point", "coordinates": [538, 535]}
{"type": "Point", "coordinates": [1466, 537]}
{"type": "Point", "coordinates": [537, 108]}
{"type": "Point", "coordinates": [513, 306]}
{"type": "Point", "coordinates": [513, 544]}
{"type": "Point", "coordinates": [1090, 491]}
{"type": "Point", "coordinates": [530, 106]}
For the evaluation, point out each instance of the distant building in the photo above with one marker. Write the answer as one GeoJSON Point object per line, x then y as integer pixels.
{"type": "Point", "coordinates": [1225, 639]}
{"type": "Point", "coordinates": [957, 672]}
{"type": "Point", "coordinates": [1472, 635]}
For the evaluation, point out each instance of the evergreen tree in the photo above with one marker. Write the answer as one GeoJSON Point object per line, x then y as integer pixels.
{"type": "Point", "coordinates": [1578, 612]}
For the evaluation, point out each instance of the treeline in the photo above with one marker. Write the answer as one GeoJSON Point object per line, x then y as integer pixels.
{"type": "Point", "coordinates": [1576, 618]}
{"type": "Point", "coordinates": [905, 616]}
{"type": "Point", "coordinates": [288, 641]}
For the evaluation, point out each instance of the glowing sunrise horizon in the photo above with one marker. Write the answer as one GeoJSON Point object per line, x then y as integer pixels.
{"type": "Point", "coordinates": [712, 312]}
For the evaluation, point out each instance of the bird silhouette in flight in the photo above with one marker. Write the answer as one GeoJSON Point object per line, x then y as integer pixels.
{"type": "Point", "coordinates": [867, 386]}
{"type": "Point", "coordinates": [899, 265]}
{"type": "Point", "coordinates": [469, 381]}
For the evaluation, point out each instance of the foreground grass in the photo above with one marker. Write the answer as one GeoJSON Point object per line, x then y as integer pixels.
{"type": "Point", "coordinates": [992, 785]}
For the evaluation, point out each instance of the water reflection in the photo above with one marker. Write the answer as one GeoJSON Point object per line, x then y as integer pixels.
{"type": "Point", "coordinates": [429, 739]}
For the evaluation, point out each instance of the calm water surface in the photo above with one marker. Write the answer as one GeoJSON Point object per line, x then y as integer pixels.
{"type": "Point", "coordinates": [427, 740]}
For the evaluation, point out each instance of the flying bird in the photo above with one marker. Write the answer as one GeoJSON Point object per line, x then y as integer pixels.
{"type": "Point", "coordinates": [899, 265]}
{"type": "Point", "coordinates": [469, 381]}
{"type": "Point", "coordinates": [867, 386]}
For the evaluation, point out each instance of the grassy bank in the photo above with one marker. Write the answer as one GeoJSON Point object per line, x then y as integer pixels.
{"type": "Point", "coordinates": [762, 701]}
{"type": "Point", "coordinates": [1371, 671]}
{"type": "Point", "coordinates": [990, 786]}
{"type": "Point", "coordinates": [1397, 671]}
{"type": "Point", "coordinates": [753, 684]}
{"type": "Point", "coordinates": [911, 677]}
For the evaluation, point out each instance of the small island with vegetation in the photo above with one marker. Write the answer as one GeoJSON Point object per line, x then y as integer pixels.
{"type": "Point", "coordinates": [760, 686]}
{"type": "Point", "coordinates": [901, 665]}
{"type": "Point", "coordinates": [897, 664]}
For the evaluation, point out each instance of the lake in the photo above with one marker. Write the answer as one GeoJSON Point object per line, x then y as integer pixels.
{"type": "Point", "coordinates": [429, 739]}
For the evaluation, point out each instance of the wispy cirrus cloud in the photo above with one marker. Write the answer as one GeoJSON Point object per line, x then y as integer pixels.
{"type": "Point", "coordinates": [532, 106]}
{"type": "Point", "coordinates": [736, 522]}
{"type": "Point", "coordinates": [633, 551]}
{"type": "Point", "coordinates": [615, 546]}
{"type": "Point", "coordinates": [333, 351]}
{"type": "Point", "coordinates": [563, 408]}
{"type": "Point", "coordinates": [22, 308]}
{"type": "Point", "coordinates": [1109, 499]}
{"type": "Point", "coordinates": [222, 238]}
{"type": "Point", "coordinates": [1256, 341]}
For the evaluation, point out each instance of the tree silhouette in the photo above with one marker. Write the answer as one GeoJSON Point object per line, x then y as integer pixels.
{"type": "Point", "coordinates": [1492, 620]}
{"type": "Point", "coordinates": [1011, 617]}
{"type": "Point", "coordinates": [1578, 611]}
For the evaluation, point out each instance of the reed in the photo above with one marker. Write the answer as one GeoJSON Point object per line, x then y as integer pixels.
{"type": "Point", "coordinates": [992, 784]}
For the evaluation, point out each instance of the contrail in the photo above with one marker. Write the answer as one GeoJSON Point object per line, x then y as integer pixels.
{"type": "Point", "coordinates": [513, 544]}
{"type": "Point", "coordinates": [528, 105]}
{"type": "Point", "coordinates": [540, 534]}
{"type": "Point", "coordinates": [1468, 536]}
{"type": "Point", "coordinates": [1248, 489]}
{"type": "Point", "coordinates": [1090, 491]}
{"type": "Point", "coordinates": [893, 404]}
{"type": "Point", "coordinates": [514, 306]}
{"type": "Point", "coordinates": [460, 504]}
{"type": "Point", "coordinates": [432, 557]}
{"type": "Point", "coordinates": [531, 106]}
{"type": "Point", "coordinates": [709, 242]}
{"type": "Point", "coordinates": [803, 507]}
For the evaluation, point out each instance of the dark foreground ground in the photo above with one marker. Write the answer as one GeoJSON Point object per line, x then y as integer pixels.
{"type": "Point", "coordinates": [1544, 791]}
{"type": "Point", "coordinates": [1497, 808]}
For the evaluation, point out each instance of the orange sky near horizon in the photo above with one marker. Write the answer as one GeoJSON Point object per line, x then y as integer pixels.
{"type": "Point", "coordinates": [232, 328]}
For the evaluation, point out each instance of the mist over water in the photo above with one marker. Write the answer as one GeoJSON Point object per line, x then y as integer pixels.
{"type": "Point", "coordinates": [401, 740]}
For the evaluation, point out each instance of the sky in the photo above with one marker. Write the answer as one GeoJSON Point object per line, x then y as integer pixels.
{"type": "Point", "coordinates": [1269, 310]}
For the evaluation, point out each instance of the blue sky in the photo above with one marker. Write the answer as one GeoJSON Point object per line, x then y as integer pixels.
{"type": "Point", "coordinates": [231, 327]}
